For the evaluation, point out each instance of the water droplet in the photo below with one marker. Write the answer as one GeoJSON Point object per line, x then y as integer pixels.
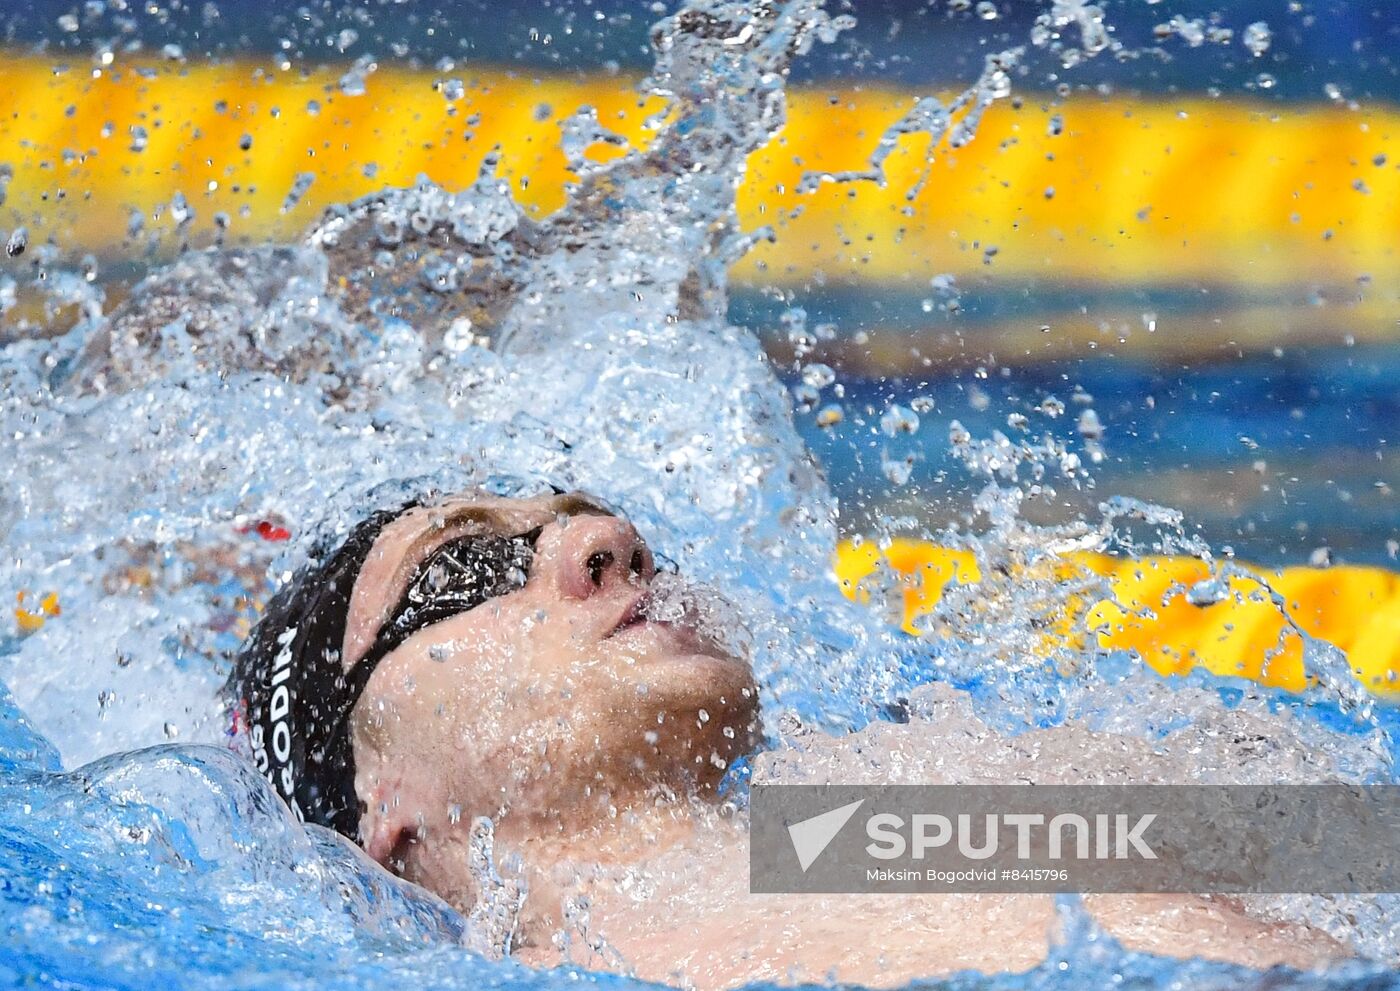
{"type": "Point", "coordinates": [897, 470]}
{"type": "Point", "coordinates": [353, 83]}
{"type": "Point", "coordinates": [452, 89]}
{"type": "Point", "coordinates": [180, 210]}
{"type": "Point", "coordinates": [1257, 38]}
{"type": "Point", "coordinates": [1190, 30]}
{"type": "Point", "coordinates": [1208, 591]}
{"type": "Point", "coordinates": [459, 336]}
{"type": "Point", "coordinates": [441, 277]}
{"type": "Point", "coordinates": [17, 242]}
{"type": "Point", "coordinates": [805, 398]}
{"type": "Point", "coordinates": [818, 376]}
{"type": "Point", "coordinates": [300, 185]}
{"type": "Point", "coordinates": [899, 420]}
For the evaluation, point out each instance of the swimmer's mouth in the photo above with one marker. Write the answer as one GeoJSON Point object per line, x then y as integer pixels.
{"type": "Point", "coordinates": [634, 615]}
{"type": "Point", "coordinates": [638, 613]}
{"type": "Point", "coordinates": [682, 633]}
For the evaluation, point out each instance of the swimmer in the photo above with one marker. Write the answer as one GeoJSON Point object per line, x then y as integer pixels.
{"type": "Point", "coordinates": [477, 656]}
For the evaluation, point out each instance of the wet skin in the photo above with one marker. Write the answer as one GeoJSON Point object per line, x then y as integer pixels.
{"type": "Point", "coordinates": [594, 740]}
{"type": "Point", "coordinates": [542, 708]}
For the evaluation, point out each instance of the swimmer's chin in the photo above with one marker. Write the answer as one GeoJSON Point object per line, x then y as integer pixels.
{"type": "Point", "coordinates": [710, 688]}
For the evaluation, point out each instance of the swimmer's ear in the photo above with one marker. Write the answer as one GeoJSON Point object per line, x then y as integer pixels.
{"type": "Point", "coordinates": [386, 822]}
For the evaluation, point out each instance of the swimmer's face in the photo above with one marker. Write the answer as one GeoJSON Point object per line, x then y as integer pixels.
{"type": "Point", "coordinates": [546, 703]}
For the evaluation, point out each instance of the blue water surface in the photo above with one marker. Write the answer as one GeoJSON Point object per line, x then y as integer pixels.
{"type": "Point", "coordinates": [177, 867]}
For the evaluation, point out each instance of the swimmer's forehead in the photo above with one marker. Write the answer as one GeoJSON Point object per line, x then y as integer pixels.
{"type": "Point", "coordinates": [491, 514]}
{"type": "Point", "coordinates": [409, 539]}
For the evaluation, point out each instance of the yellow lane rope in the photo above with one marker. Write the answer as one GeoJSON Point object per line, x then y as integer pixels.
{"type": "Point", "coordinates": [1154, 192]}
{"type": "Point", "coordinates": [1354, 608]}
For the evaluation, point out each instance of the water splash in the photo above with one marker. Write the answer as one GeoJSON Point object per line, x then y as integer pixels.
{"type": "Point", "coordinates": [409, 335]}
{"type": "Point", "coordinates": [956, 121]}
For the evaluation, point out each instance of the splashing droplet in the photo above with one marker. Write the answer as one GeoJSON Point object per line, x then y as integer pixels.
{"type": "Point", "coordinates": [1257, 38]}
{"type": "Point", "coordinates": [452, 90]}
{"type": "Point", "coordinates": [899, 420]}
{"type": "Point", "coordinates": [17, 242]}
{"type": "Point", "coordinates": [300, 185]}
{"type": "Point", "coordinates": [818, 376]}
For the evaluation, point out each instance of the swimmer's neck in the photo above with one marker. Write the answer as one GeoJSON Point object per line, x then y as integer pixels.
{"type": "Point", "coordinates": [561, 865]}
{"type": "Point", "coordinates": [559, 862]}
{"type": "Point", "coordinates": [556, 855]}
{"type": "Point", "coordinates": [613, 834]}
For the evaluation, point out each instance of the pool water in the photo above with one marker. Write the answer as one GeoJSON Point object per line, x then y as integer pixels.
{"type": "Point", "coordinates": [1278, 457]}
{"type": "Point", "coordinates": [173, 459]}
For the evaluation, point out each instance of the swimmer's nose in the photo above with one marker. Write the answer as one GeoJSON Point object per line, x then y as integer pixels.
{"type": "Point", "coordinates": [585, 555]}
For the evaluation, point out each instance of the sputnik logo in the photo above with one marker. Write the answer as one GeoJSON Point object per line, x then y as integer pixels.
{"type": "Point", "coordinates": [811, 836]}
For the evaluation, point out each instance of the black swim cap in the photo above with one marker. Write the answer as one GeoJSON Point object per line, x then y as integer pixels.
{"type": "Point", "coordinates": [289, 680]}
{"type": "Point", "coordinates": [296, 694]}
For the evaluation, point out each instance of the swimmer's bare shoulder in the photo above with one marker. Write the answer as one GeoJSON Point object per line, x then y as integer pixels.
{"type": "Point", "coordinates": [889, 941]}
{"type": "Point", "coordinates": [1211, 928]}
{"type": "Point", "coordinates": [700, 927]}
